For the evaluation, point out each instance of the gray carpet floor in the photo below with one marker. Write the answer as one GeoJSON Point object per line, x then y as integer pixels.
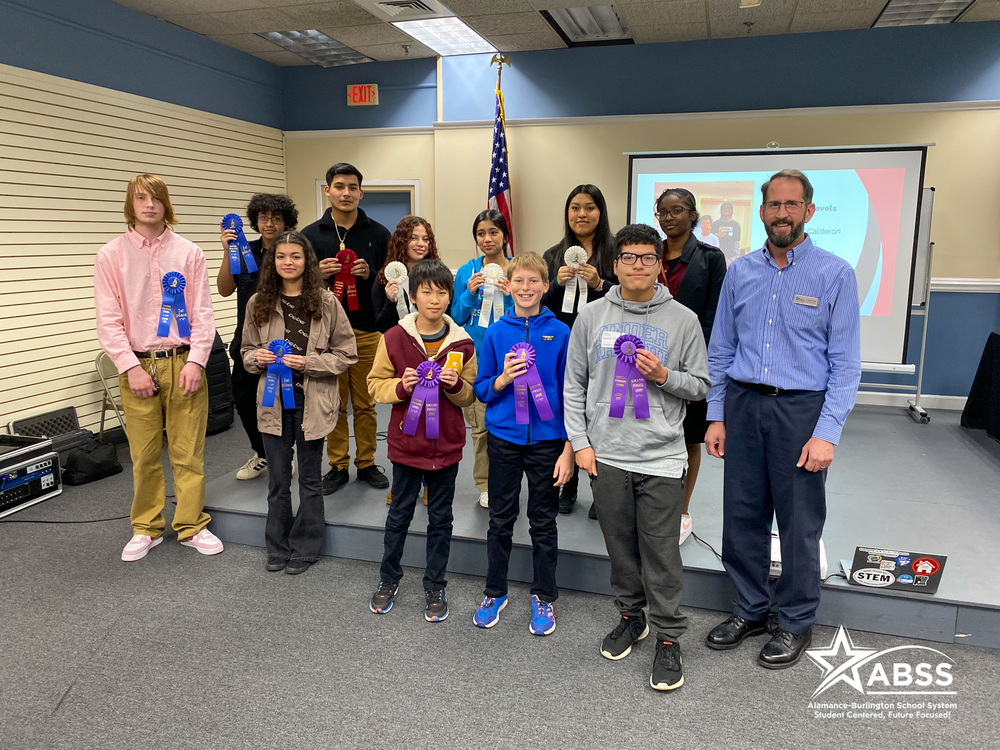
{"type": "Point", "coordinates": [185, 651]}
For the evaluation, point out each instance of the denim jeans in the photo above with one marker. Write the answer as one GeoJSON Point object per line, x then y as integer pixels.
{"type": "Point", "coordinates": [406, 487]}
{"type": "Point", "coordinates": [300, 538]}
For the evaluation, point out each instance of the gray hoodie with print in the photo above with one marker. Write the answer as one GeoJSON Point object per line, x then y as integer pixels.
{"type": "Point", "coordinates": [653, 446]}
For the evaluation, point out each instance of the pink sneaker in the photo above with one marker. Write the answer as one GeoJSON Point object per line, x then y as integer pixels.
{"type": "Point", "coordinates": [205, 542]}
{"type": "Point", "coordinates": [685, 528]}
{"type": "Point", "coordinates": [138, 546]}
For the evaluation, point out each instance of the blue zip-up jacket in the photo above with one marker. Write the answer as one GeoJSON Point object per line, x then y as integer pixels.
{"type": "Point", "coordinates": [465, 306]}
{"type": "Point", "coordinates": [550, 338]}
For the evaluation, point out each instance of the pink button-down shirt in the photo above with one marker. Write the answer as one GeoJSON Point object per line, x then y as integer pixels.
{"type": "Point", "coordinates": [128, 295]}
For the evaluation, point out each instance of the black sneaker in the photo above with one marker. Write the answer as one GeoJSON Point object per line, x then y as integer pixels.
{"type": "Point", "coordinates": [618, 643]}
{"type": "Point", "coordinates": [334, 479]}
{"type": "Point", "coordinates": [668, 674]}
{"type": "Point", "coordinates": [374, 476]}
{"type": "Point", "coordinates": [382, 598]}
{"type": "Point", "coordinates": [567, 499]}
{"type": "Point", "coordinates": [437, 606]}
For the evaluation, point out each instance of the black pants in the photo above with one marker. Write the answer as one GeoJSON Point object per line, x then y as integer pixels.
{"type": "Point", "coordinates": [764, 438]}
{"type": "Point", "coordinates": [245, 401]}
{"type": "Point", "coordinates": [507, 462]}
{"type": "Point", "coordinates": [298, 538]}
{"type": "Point", "coordinates": [406, 486]}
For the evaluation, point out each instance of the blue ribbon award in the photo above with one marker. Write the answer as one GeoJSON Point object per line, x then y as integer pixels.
{"type": "Point", "coordinates": [240, 245]}
{"type": "Point", "coordinates": [277, 372]}
{"type": "Point", "coordinates": [173, 306]}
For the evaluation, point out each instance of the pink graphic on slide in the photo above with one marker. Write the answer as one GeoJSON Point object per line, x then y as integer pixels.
{"type": "Point", "coordinates": [885, 193]}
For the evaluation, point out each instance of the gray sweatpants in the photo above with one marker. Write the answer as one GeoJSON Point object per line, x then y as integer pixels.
{"type": "Point", "coordinates": [640, 516]}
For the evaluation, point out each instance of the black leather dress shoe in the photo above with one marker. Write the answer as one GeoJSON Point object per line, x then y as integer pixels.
{"type": "Point", "coordinates": [784, 649]}
{"type": "Point", "coordinates": [730, 634]}
{"type": "Point", "coordinates": [299, 566]}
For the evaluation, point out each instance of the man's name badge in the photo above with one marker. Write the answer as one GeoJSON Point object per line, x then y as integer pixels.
{"type": "Point", "coordinates": [801, 299]}
{"type": "Point", "coordinates": [608, 339]}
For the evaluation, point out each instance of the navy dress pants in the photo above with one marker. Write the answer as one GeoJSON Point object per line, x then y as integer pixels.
{"type": "Point", "coordinates": [764, 438]}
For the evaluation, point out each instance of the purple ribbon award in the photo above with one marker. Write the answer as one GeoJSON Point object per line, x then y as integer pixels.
{"type": "Point", "coordinates": [425, 397]}
{"type": "Point", "coordinates": [529, 382]}
{"type": "Point", "coordinates": [628, 377]}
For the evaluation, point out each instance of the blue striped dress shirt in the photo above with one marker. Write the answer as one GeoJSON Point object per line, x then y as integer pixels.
{"type": "Point", "coordinates": [795, 327]}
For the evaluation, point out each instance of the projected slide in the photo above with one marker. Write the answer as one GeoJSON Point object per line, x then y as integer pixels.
{"type": "Point", "coordinates": [866, 211]}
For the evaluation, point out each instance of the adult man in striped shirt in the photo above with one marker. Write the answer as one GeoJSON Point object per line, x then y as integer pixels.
{"type": "Point", "coordinates": [785, 363]}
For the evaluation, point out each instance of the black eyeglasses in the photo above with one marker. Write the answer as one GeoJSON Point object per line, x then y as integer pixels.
{"type": "Point", "coordinates": [676, 211]}
{"type": "Point", "coordinates": [648, 259]}
{"type": "Point", "coordinates": [790, 206]}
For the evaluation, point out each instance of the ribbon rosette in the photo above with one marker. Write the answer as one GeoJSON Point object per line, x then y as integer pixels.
{"type": "Point", "coordinates": [345, 280]}
{"type": "Point", "coordinates": [628, 377]}
{"type": "Point", "coordinates": [425, 396]}
{"type": "Point", "coordinates": [529, 382]}
{"type": "Point", "coordinates": [492, 297]}
{"type": "Point", "coordinates": [576, 288]}
{"type": "Point", "coordinates": [277, 372]}
{"type": "Point", "coordinates": [240, 245]}
{"type": "Point", "coordinates": [173, 306]}
{"type": "Point", "coordinates": [396, 271]}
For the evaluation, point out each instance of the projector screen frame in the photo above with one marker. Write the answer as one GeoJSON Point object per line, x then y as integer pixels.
{"type": "Point", "coordinates": [900, 312]}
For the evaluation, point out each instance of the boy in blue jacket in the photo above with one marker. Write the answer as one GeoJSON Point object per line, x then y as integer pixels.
{"type": "Point", "coordinates": [520, 378]}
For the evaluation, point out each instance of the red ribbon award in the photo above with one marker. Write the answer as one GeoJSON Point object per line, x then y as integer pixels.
{"type": "Point", "coordinates": [345, 281]}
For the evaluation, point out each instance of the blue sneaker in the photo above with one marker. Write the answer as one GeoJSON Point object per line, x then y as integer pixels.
{"type": "Point", "coordinates": [543, 620]}
{"type": "Point", "coordinates": [488, 613]}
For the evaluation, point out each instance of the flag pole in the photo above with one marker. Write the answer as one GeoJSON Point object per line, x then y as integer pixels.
{"type": "Point", "coordinates": [499, 194]}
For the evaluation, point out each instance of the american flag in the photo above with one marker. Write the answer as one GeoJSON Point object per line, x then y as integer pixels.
{"type": "Point", "coordinates": [499, 190]}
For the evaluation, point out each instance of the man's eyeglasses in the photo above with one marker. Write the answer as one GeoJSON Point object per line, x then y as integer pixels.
{"type": "Point", "coordinates": [676, 211]}
{"type": "Point", "coordinates": [790, 206]}
{"type": "Point", "coordinates": [648, 259]}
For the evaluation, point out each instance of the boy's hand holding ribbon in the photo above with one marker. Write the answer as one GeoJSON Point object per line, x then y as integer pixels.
{"type": "Point", "coordinates": [426, 381]}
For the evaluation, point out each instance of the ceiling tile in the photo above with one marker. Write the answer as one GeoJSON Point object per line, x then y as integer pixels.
{"type": "Point", "coordinates": [804, 22]}
{"type": "Point", "coordinates": [644, 13]}
{"type": "Point", "coordinates": [676, 32]}
{"type": "Point", "coordinates": [395, 51]}
{"type": "Point", "coordinates": [340, 13]}
{"type": "Point", "coordinates": [527, 42]}
{"type": "Point", "coordinates": [282, 57]}
{"type": "Point", "coordinates": [369, 34]}
{"type": "Point", "coordinates": [233, 22]}
{"type": "Point", "coordinates": [508, 23]}
{"type": "Point", "coordinates": [465, 8]}
{"type": "Point", "coordinates": [983, 10]}
{"type": "Point", "coordinates": [245, 42]}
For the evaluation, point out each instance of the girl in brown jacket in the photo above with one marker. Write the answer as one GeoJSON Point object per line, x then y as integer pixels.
{"type": "Point", "coordinates": [298, 338]}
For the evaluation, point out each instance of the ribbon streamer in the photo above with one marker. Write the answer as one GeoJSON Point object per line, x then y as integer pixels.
{"type": "Point", "coordinates": [425, 398]}
{"type": "Point", "coordinates": [397, 272]}
{"type": "Point", "coordinates": [529, 382]}
{"type": "Point", "coordinates": [345, 281]}
{"type": "Point", "coordinates": [628, 377]}
{"type": "Point", "coordinates": [576, 288]}
{"type": "Point", "coordinates": [277, 372]}
{"type": "Point", "coordinates": [240, 245]}
{"type": "Point", "coordinates": [492, 297]}
{"type": "Point", "coordinates": [173, 306]}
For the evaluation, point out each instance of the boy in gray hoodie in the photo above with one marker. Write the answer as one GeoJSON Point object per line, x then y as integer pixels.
{"type": "Point", "coordinates": [635, 357]}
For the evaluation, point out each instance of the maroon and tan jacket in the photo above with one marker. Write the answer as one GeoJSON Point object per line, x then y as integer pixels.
{"type": "Point", "coordinates": [402, 347]}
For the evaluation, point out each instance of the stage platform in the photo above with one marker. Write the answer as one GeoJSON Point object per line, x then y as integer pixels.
{"type": "Point", "coordinates": [894, 484]}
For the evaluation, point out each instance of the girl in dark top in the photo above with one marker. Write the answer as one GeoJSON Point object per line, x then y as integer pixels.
{"type": "Point", "coordinates": [585, 224]}
{"type": "Point", "coordinates": [693, 272]}
{"type": "Point", "coordinates": [412, 241]}
{"type": "Point", "coordinates": [293, 306]}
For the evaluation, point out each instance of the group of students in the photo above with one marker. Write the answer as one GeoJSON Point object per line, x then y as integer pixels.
{"type": "Point", "coordinates": [592, 357]}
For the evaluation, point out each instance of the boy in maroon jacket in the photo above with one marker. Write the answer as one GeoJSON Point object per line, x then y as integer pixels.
{"type": "Point", "coordinates": [424, 367]}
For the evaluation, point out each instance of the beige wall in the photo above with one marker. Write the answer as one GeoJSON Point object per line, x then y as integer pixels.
{"type": "Point", "coordinates": [548, 160]}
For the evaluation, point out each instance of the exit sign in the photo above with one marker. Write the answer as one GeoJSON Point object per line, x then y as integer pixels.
{"type": "Point", "coordinates": [362, 95]}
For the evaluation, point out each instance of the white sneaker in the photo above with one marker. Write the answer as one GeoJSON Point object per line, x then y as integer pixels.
{"type": "Point", "coordinates": [484, 499]}
{"type": "Point", "coordinates": [685, 528]}
{"type": "Point", "coordinates": [252, 468]}
{"type": "Point", "coordinates": [205, 542]}
{"type": "Point", "coordinates": [138, 546]}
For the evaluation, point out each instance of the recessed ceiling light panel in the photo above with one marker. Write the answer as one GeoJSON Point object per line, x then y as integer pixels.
{"type": "Point", "coordinates": [446, 36]}
{"type": "Point", "coordinates": [920, 12]}
{"type": "Point", "coordinates": [315, 47]}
